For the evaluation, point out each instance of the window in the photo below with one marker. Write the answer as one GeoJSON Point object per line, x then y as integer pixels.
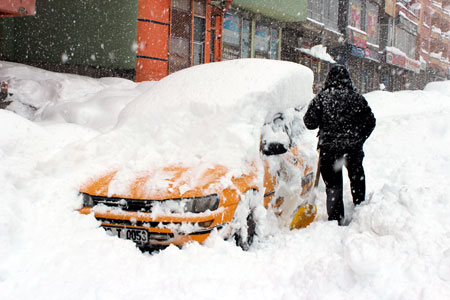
{"type": "Point", "coordinates": [266, 41]}
{"type": "Point", "coordinates": [199, 32]}
{"type": "Point", "coordinates": [273, 49]}
{"type": "Point", "coordinates": [232, 29]}
{"type": "Point", "coordinates": [237, 38]}
{"type": "Point", "coordinates": [213, 39]}
{"type": "Point", "coordinates": [426, 18]}
{"type": "Point", "coordinates": [245, 42]}
{"type": "Point", "coordinates": [331, 14]}
{"type": "Point", "coordinates": [180, 56]}
{"type": "Point", "coordinates": [372, 23]}
{"type": "Point", "coordinates": [405, 41]}
{"type": "Point", "coordinates": [315, 9]}
{"type": "Point", "coordinates": [200, 8]}
{"type": "Point", "coordinates": [231, 36]}
{"type": "Point", "coordinates": [182, 4]}
{"type": "Point", "coordinates": [425, 45]}
{"type": "Point", "coordinates": [199, 40]}
{"type": "Point", "coordinates": [262, 41]}
{"type": "Point", "coordinates": [355, 14]}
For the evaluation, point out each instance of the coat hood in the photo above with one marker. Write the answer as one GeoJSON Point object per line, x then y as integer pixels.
{"type": "Point", "coordinates": [338, 78]}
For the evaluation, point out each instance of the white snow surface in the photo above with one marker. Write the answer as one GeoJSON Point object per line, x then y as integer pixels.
{"type": "Point", "coordinates": [48, 96]}
{"type": "Point", "coordinates": [207, 114]}
{"type": "Point", "coordinates": [397, 245]}
{"type": "Point", "coordinates": [319, 51]}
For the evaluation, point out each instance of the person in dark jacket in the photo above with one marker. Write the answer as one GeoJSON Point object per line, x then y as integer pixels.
{"type": "Point", "coordinates": [345, 121]}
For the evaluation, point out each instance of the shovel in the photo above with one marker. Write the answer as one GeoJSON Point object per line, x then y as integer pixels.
{"type": "Point", "coordinates": [305, 214]}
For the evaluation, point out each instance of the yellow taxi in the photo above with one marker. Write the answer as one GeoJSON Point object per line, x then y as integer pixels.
{"type": "Point", "coordinates": [173, 202]}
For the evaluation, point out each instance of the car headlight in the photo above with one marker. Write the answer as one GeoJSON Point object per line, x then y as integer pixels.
{"type": "Point", "coordinates": [87, 200]}
{"type": "Point", "coordinates": [201, 204]}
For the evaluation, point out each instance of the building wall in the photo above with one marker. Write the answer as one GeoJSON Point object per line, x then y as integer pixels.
{"type": "Point", "coordinates": [100, 34]}
{"type": "Point", "coordinates": [176, 34]}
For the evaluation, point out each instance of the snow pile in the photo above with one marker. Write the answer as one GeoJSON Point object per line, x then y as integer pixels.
{"type": "Point", "coordinates": [319, 51]}
{"type": "Point", "coordinates": [48, 96]}
{"type": "Point", "coordinates": [211, 113]}
{"type": "Point", "coordinates": [441, 87]}
{"type": "Point", "coordinates": [396, 247]}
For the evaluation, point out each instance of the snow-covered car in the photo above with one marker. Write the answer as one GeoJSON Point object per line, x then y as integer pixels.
{"type": "Point", "coordinates": [209, 148]}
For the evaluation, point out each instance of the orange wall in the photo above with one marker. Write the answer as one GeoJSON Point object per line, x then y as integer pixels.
{"type": "Point", "coordinates": [153, 32]}
{"type": "Point", "coordinates": [152, 60]}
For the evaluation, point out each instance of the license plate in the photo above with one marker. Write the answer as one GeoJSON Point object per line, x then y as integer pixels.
{"type": "Point", "coordinates": [134, 234]}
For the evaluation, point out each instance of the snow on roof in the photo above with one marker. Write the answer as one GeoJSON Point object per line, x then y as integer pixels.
{"type": "Point", "coordinates": [403, 15]}
{"type": "Point", "coordinates": [318, 51]}
{"type": "Point", "coordinates": [357, 30]}
{"type": "Point", "coordinates": [396, 51]}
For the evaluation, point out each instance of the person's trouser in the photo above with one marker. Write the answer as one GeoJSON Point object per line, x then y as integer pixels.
{"type": "Point", "coordinates": [331, 163]}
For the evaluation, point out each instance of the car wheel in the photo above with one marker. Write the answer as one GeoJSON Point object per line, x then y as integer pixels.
{"type": "Point", "coordinates": [244, 225]}
{"type": "Point", "coordinates": [246, 240]}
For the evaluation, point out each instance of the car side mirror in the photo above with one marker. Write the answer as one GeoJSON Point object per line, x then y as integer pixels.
{"type": "Point", "coordinates": [274, 148]}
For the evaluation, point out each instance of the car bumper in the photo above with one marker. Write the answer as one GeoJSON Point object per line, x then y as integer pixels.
{"type": "Point", "coordinates": [166, 230]}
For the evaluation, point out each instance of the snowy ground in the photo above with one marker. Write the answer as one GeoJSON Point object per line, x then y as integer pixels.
{"type": "Point", "coordinates": [396, 247]}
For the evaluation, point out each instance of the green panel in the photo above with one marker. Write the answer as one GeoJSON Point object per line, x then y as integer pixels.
{"type": "Point", "coordinates": [282, 10]}
{"type": "Point", "coordinates": [81, 32]}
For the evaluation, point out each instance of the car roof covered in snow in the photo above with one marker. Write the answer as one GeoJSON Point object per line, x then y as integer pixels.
{"type": "Point", "coordinates": [212, 112]}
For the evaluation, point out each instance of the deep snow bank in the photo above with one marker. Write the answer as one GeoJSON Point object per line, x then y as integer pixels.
{"type": "Point", "coordinates": [396, 247]}
{"type": "Point", "coordinates": [208, 114]}
{"type": "Point", "coordinates": [41, 95]}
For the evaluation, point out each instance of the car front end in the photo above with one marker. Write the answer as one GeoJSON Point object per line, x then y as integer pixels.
{"type": "Point", "coordinates": [155, 219]}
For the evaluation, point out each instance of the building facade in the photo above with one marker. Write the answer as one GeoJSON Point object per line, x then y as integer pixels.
{"type": "Point", "coordinates": [254, 29]}
{"type": "Point", "coordinates": [138, 39]}
{"type": "Point", "coordinates": [176, 34]}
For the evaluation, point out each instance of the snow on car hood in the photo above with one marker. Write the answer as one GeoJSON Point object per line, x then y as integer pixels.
{"type": "Point", "coordinates": [209, 115]}
{"type": "Point", "coordinates": [167, 183]}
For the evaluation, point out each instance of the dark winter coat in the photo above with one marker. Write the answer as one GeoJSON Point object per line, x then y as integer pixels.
{"type": "Point", "coordinates": [343, 116]}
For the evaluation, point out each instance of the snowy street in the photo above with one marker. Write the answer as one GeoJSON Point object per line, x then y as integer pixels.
{"type": "Point", "coordinates": [397, 245]}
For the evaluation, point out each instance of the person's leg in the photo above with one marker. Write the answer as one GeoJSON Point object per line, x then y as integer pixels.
{"type": "Point", "coordinates": [356, 175]}
{"type": "Point", "coordinates": [331, 173]}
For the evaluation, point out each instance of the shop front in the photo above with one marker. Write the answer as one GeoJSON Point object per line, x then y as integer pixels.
{"type": "Point", "coordinates": [176, 34]}
{"type": "Point", "coordinates": [244, 37]}
{"type": "Point", "coordinates": [318, 60]}
{"type": "Point", "coordinates": [371, 65]}
{"type": "Point", "coordinates": [254, 28]}
{"type": "Point", "coordinates": [362, 61]}
{"type": "Point", "coordinates": [402, 72]}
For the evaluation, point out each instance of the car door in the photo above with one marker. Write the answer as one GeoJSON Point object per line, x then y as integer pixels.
{"type": "Point", "coordinates": [288, 176]}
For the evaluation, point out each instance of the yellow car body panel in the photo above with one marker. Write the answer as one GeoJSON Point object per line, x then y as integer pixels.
{"type": "Point", "coordinates": [166, 226]}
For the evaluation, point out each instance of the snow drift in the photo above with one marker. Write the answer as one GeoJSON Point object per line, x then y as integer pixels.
{"type": "Point", "coordinates": [396, 247]}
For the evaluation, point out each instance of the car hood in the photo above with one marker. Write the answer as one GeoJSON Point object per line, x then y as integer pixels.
{"type": "Point", "coordinates": [170, 183]}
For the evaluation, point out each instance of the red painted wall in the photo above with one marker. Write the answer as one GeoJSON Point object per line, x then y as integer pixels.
{"type": "Point", "coordinates": [154, 27]}
{"type": "Point", "coordinates": [11, 8]}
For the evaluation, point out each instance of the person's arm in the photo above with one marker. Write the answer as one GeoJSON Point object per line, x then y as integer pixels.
{"type": "Point", "coordinates": [368, 119]}
{"type": "Point", "coordinates": [313, 114]}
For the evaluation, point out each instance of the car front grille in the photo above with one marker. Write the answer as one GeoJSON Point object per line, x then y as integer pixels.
{"type": "Point", "coordinates": [125, 204]}
{"type": "Point", "coordinates": [131, 223]}
{"type": "Point", "coordinates": [145, 224]}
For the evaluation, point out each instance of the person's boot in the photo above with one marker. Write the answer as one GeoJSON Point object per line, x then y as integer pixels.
{"type": "Point", "coordinates": [335, 205]}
